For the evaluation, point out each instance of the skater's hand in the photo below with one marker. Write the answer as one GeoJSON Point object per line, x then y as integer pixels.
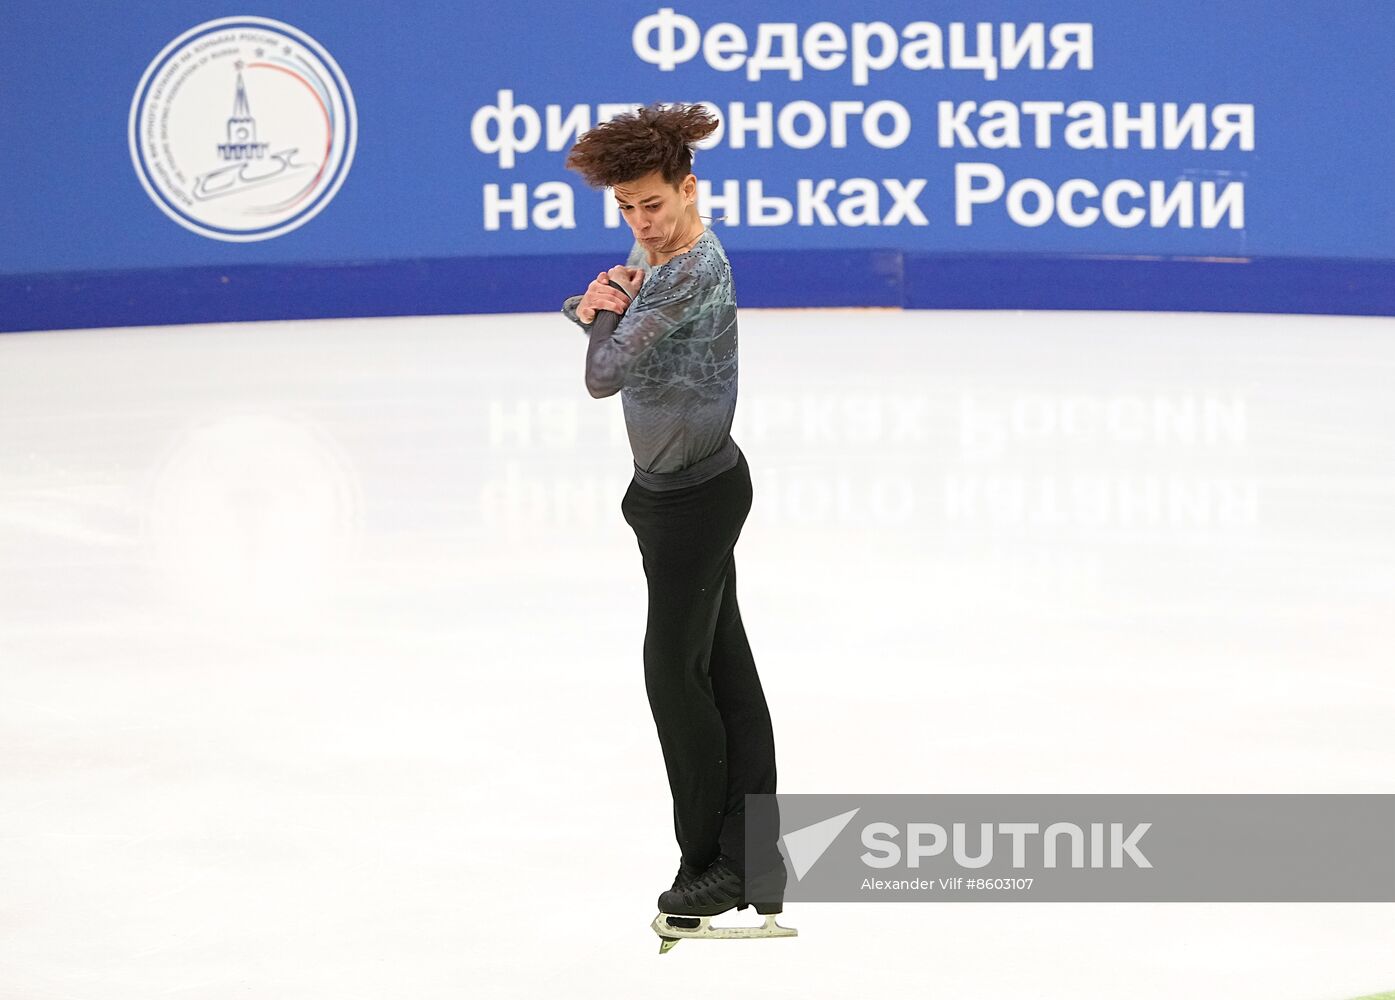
{"type": "Point", "coordinates": [602, 294]}
{"type": "Point", "coordinates": [628, 278]}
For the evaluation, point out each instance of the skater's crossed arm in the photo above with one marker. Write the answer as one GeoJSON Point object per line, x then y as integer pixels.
{"type": "Point", "coordinates": [669, 300]}
{"type": "Point", "coordinates": [572, 308]}
{"type": "Point", "coordinates": [610, 291]}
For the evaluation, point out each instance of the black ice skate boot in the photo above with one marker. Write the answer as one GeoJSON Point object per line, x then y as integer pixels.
{"type": "Point", "coordinates": [765, 891]}
{"type": "Point", "coordinates": [686, 873]}
{"type": "Point", "coordinates": [687, 910]}
{"type": "Point", "coordinates": [713, 891]}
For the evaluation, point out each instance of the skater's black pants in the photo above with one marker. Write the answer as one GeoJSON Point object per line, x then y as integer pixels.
{"type": "Point", "coordinates": [714, 726]}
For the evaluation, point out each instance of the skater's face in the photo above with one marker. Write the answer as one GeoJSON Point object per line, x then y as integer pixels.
{"type": "Point", "coordinates": [660, 214]}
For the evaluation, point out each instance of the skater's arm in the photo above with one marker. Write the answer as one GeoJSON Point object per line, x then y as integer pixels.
{"type": "Point", "coordinates": [663, 305]}
{"type": "Point", "coordinates": [636, 259]}
{"type": "Point", "coordinates": [569, 311]}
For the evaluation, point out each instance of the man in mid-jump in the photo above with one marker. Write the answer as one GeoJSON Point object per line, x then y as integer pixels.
{"type": "Point", "coordinates": [662, 331]}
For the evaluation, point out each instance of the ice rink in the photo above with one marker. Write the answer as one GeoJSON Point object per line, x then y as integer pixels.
{"type": "Point", "coordinates": [320, 645]}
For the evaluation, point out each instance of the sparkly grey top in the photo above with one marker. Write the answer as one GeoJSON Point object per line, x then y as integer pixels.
{"type": "Point", "coordinates": [673, 359]}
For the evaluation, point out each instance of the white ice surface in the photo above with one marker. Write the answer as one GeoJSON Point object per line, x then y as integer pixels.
{"type": "Point", "coordinates": [320, 645]}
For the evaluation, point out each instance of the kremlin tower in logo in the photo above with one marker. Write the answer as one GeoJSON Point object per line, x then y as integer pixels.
{"type": "Point", "coordinates": [242, 141]}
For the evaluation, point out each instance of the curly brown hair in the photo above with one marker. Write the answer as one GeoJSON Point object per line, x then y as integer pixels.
{"type": "Point", "coordinates": [633, 145]}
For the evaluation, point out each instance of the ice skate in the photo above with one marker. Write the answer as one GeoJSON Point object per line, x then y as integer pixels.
{"type": "Point", "coordinates": [686, 873]}
{"type": "Point", "coordinates": [686, 911]}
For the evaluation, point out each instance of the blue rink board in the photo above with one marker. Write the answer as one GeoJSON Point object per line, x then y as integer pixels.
{"type": "Point", "coordinates": [764, 278]}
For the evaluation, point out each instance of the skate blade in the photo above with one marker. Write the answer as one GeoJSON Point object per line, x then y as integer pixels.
{"type": "Point", "coordinates": [701, 927]}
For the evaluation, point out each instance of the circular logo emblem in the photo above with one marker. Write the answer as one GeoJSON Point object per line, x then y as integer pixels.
{"type": "Point", "coordinates": [242, 129]}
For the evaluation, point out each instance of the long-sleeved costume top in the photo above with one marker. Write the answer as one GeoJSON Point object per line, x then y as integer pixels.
{"type": "Point", "coordinates": [672, 357]}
